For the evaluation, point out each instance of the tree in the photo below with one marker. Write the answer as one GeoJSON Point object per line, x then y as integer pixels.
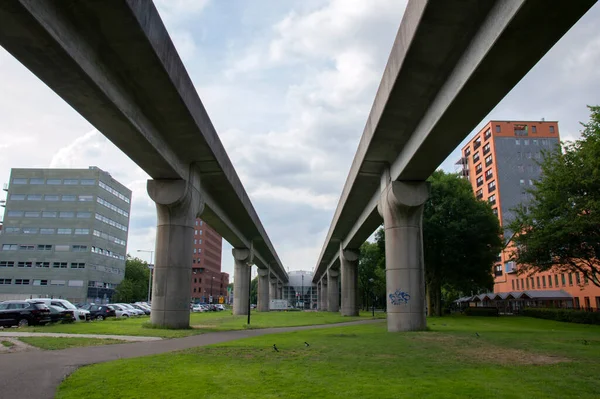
{"type": "Point", "coordinates": [369, 262]}
{"type": "Point", "coordinates": [254, 290]}
{"type": "Point", "coordinates": [134, 286]}
{"type": "Point", "coordinates": [560, 229]}
{"type": "Point", "coordinates": [461, 240]}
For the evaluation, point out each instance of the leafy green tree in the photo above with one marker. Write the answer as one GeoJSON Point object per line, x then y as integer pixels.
{"type": "Point", "coordinates": [560, 229]}
{"type": "Point", "coordinates": [254, 290]}
{"type": "Point", "coordinates": [369, 261]}
{"type": "Point", "coordinates": [461, 239]}
{"type": "Point", "coordinates": [134, 286]}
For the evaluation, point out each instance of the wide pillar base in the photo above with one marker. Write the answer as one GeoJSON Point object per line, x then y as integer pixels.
{"type": "Point", "coordinates": [241, 287]}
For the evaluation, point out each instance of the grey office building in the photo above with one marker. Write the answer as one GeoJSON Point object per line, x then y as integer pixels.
{"type": "Point", "coordinates": [300, 292]}
{"type": "Point", "coordinates": [64, 234]}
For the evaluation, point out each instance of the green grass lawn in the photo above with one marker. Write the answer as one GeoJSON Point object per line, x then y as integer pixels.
{"type": "Point", "coordinates": [7, 344]}
{"type": "Point", "coordinates": [513, 357]}
{"type": "Point", "coordinates": [201, 323]}
{"type": "Point", "coordinates": [52, 343]}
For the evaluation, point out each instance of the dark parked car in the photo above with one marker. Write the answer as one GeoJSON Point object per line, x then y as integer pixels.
{"type": "Point", "coordinates": [146, 311]}
{"type": "Point", "coordinates": [60, 315]}
{"type": "Point", "coordinates": [23, 313]}
{"type": "Point", "coordinates": [99, 312]}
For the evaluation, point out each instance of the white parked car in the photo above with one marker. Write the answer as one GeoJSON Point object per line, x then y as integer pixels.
{"type": "Point", "coordinates": [219, 307]}
{"type": "Point", "coordinates": [80, 314]}
{"type": "Point", "coordinates": [120, 311]}
{"type": "Point", "coordinates": [197, 308]}
{"type": "Point", "coordinates": [133, 311]}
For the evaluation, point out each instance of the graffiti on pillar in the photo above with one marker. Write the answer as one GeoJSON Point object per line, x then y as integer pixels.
{"type": "Point", "coordinates": [399, 297]}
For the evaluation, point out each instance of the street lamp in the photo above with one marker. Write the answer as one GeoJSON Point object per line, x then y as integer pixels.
{"type": "Point", "coordinates": [372, 296]}
{"type": "Point", "coordinates": [151, 267]}
{"type": "Point", "coordinates": [211, 284]}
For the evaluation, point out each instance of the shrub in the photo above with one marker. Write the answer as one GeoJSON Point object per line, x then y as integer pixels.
{"type": "Point", "coordinates": [567, 315]}
{"type": "Point", "coordinates": [481, 311]}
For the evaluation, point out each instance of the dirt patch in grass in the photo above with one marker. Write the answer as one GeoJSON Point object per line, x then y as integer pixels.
{"type": "Point", "coordinates": [203, 326]}
{"type": "Point", "coordinates": [479, 351]}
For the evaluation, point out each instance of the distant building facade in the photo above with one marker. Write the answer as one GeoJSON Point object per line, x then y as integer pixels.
{"type": "Point", "coordinates": [208, 282]}
{"type": "Point", "coordinates": [65, 234]}
{"type": "Point", "coordinates": [300, 292]}
{"type": "Point", "coordinates": [502, 163]}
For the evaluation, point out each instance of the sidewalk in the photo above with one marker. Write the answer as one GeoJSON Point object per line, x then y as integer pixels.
{"type": "Point", "coordinates": [131, 338]}
{"type": "Point", "coordinates": [49, 368]}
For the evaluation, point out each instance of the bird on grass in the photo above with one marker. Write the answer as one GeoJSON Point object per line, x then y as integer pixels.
{"type": "Point", "coordinates": [275, 347]}
{"type": "Point", "coordinates": [306, 344]}
{"type": "Point", "coordinates": [585, 342]}
{"type": "Point", "coordinates": [477, 334]}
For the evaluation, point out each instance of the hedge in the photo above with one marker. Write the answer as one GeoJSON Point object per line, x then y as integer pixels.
{"type": "Point", "coordinates": [481, 311]}
{"type": "Point", "coordinates": [568, 315]}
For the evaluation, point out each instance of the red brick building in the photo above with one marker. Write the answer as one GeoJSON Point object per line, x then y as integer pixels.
{"type": "Point", "coordinates": [207, 279]}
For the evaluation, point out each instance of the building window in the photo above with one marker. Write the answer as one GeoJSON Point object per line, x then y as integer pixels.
{"type": "Point", "coordinates": [14, 214]}
{"type": "Point", "coordinates": [538, 281]}
{"type": "Point", "coordinates": [12, 230]}
{"type": "Point", "coordinates": [522, 182]}
{"type": "Point", "coordinates": [47, 214]}
{"type": "Point", "coordinates": [544, 281]}
{"type": "Point", "coordinates": [75, 265]}
{"type": "Point", "coordinates": [196, 223]}
{"type": "Point", "coordinates": [478, 169]}
{"type": "Point", "coordinates": [19, 181]}
{"type": "Point", "coordinates": [201, 223]}
{"type": "Point", "coordinates": [88, 182]}
{"type": "Point", "coordinates": [513, 284]}
{"type": "Point", "coordinates": [556, 280]}
{"type": "Point", "coordinates": [551, 129]}
{"type": "Point", "coordinates": [550, 281]}
{"type": "Point", "coordinates": [68, 198]}
{"type": "Point", "coordinates": [21, 281]}
{"type": "Point", "coordinates": [492, 185]}
{"type": "Point", "coordinates": [497, 128]}
{"type": "Point", "coordinates": [59, 265]}
{"type": "Point", "coordinates": [51, 198]}
{"type": "Point", "coordinates": [479, 193]}
{"type": "Point", "coordinates": [67, 214]}
{"type": "Point", "coordinates": [24, 264]}
{"type": "Point", "coordinates": [32, 214]}
{"type": "Point", "coordinates": [517, 142]}
{"type": "Point", "coordinates": [5, 281]}
{"type": "Point", "coordinates": [495, 211]}
{"type": "Point", "coordinates": [34, 197]}
{"type": "Point", "coordinates": [44, 247]}
{"type": "Point", "coordinates": [488, 134]}
{"type": "Point", "coordinates": [200, 232]}
{"type": "Point", "coordinates": [30, 230]}
{"type": "Point", "coordinates": [71, 182]}
{"type": "Point", "coordinates": [57, 282]}
{"type": "Point", "coordinates": [84, 215]}
{"type": "Point", "coordinates": [563, 280]}
{"type": "Point", "coordinates": [534, 128]}
{"type": "Point", "coordinates": [492, 199]}
{"type": "Point", "coordinates": [477, 143]}
{"type": "Point", "coordinates": [518, 288]}
{"type": "Point", "coordinates": [486, 148]}
{"type": "Point", "coordinates": [527, 282]}
{"type": "Point", "coordinates": [36, 181]}
{"type": "Point", "coordinates": [488, 174]}
{"type": "Point", "coordinates": [82, 231]}
{"type": "Point", "coordinates": [64, 231]}
{"type": "Point", "coordinates": [488, 160]}
{"type": "Point", "coordinates": [61, 248]}
{"type": "Point", "coordinates": [528, 155]}
{"type": "Point", "coordinates": [530, 182]}
{"type": "Point", "coordinates": [467, 152]}
{"type": "Point", "coordinates": [17, 197]}
{"type": "Point", "coordinates": [53, 181]}
{"type": "Point", "coordinates": [26, 247]}
{"type": "Point", "coordinates": [476, 157]}
{"type": "Point", "coordinates": [194, 250]}
{"type": "Point", "coordinates": [10, 247]}
{"type": "Point", "coordinates": [75, 283]}
{"type": "Point", "coordinates": [534, 142]}
{"type": "Point", "coordinates": [577, 279]}
{"type": "Point", "coordinates": [525, 142]}
{"type": "Point", "coordinates": [42, 264]}
{"type": "Point", "coordinates": [200, 241]}
{"type": "Point", "coordinates": [7, 263]}
{"type": "Point", "coordinates": [86, 198]}
{"type": "Point", "coordinates": [46, 231]}
{"type": "Point", "coordinates": [79, 248]}
{"type": "Point", "coordinates": [40, 282]}
{"type": "Point", "coordinates": [570, 278]}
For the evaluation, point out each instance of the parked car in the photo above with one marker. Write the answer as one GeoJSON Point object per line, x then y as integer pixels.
{"type": "Point", "coordinates": [219, 307]}
{"type": "Point", "coordinates": [23, 313]}
{"type": "Point", "coordinates": [198, 308]}
{"type": "Point", "coordinates": [60, 315]}
{"type": "Point", "coordinates": [120, 311]}
{"type": "Point", "coordinates": [99, 312]}
{"type": "Point", "coordinates": [132, 311]}
{"type": "Point", "coordinates": [140, 307]}
{"type": "Point", "coordinates": [80, 314]}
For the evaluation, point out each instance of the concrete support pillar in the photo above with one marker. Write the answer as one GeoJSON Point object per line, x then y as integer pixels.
{"type": "Point", "coordinates": [178, 203]}
{"type": "Point", "coordinates": [241, 283]}
{"type": "Point", "coordinates": [401, 207]}
{"type": "Point", "coordinates": [279, 290]}
{"type": "Point", "coordinates": [318, 295]}
{"type": "Point", "coordinates": [349, 271]}
{"type": "Point", "coordinates": [263, 290]}
{"type": "Point", "coordinates": [273, 289]}
{"type": "Point", "coordinates": [333, 290]}
{"type": "Point", "coordinates": [323, 294]}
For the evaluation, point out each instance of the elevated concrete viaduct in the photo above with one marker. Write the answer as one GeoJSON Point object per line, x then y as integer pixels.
{"type": "Point", "coordinates": [451, 63]}
{"type": "Point", "coordinates": [115, 64]}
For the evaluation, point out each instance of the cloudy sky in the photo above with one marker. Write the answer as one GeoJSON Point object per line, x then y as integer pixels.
{"type": "Point", "coordinates": [288, 85]}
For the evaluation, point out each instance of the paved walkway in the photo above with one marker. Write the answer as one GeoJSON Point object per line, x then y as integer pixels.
{"type": "Point", "coordinates": [36, 375]}
{"type": "Point", "coordinates": [132, 338]}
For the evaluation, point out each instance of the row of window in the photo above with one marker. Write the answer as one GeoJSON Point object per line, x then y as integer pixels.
{"type": "Point", "coordinates": [46, 230]}
{"type": "Point", "coordinates": [55, 265]}
{"type": "Point", "coordinates": [100, 284]}
{"type": "Point", "coordinates": [196, 241]}
{"type": "Point", "coordinates": [108, 237]}
{"type": "Point", "coordinates": [44, 247]}
{"type": "Point", "coordinates": [67, 182]}
{"type": "Point", "coordinates": [112, 207]}
{"type": "Point", "coordinates": [114, 192]}
{"type": "Point", "coordinates": [41, 282]}
{"type": "Point", "coordinates": [107, 269]}
{"type": "Point", "coordinates": [110, 222]}
{"type": "Point", "coordinates": [543, 142]}
{"type": "Point", "coordinates": [199, 250]}
{"type": "Point", "coordinates": [49, 214]}
{"type": "Point", "coordinates": [196, 232]}
{"type": "Point", "coordinates": [51, 197]}
{"type": "Point", "coordinates": [199, 222]}
{"type": "Point", "coordinates": [106, 252]}
{"type": "Point", "coordinates": [535, 283]}
{"type": "Point", "coordinates": [518, 132]}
